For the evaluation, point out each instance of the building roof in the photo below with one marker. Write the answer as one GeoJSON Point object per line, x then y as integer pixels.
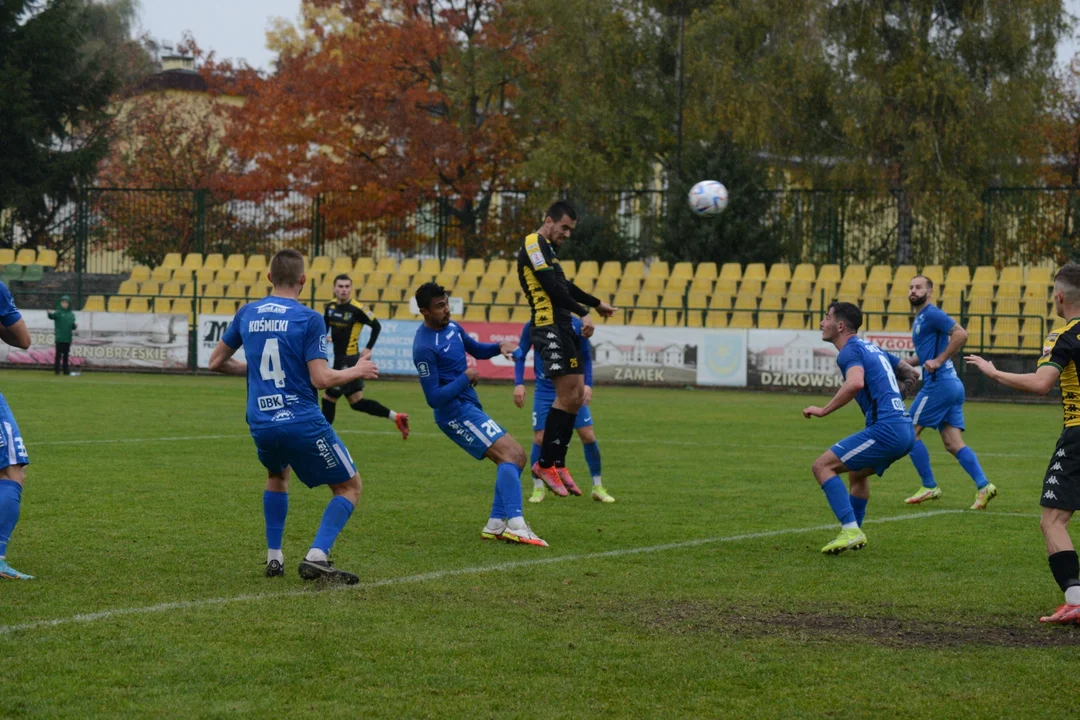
{"type": "Point", "coordinates": [176, 79]}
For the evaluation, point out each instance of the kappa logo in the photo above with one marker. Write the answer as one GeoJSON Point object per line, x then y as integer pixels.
{"type": "Point", "coordinates": [556, 356]}
{"type": "Point", "coordinates": [1060, 453]}
{"type": "Point", "coordinates": [551, 336]}
{"type": "Point", "coordinates": [1057, 466]}
{"type": "Point", "coordinates": [1052, 480]}
{"type": "Point", "coordinates": [1049, 495]}
{"type": "Point", "coordinates": [556, 366]}
{"type": "Point", "coordinates": [553, 346]}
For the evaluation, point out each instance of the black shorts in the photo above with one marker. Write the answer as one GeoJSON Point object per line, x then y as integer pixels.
{"type": "Point", "coordinates": [348, 388]}
{"type": "Point", "coordinates": [559, 350]}
{"type": "Point", "coordinates": [1061, 485]}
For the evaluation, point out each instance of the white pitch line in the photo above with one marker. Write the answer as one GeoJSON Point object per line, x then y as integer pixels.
{"type": "Point", "coordinates": [438, 574]}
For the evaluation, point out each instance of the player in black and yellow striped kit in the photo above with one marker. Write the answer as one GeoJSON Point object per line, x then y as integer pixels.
{"type": "Point", "coordinates": [1061, 483]}
{"type": "Point", "coordinates": [554, 300]}
{"type": "Point", "coordinates": [344, 319]}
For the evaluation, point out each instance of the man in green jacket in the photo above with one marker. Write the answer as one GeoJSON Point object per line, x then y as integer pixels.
{"type": "Point", "coordinates": [64, 325]}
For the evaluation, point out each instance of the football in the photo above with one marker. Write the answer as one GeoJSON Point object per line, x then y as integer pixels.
{"type": "Point", "coordinates": [708, 197]}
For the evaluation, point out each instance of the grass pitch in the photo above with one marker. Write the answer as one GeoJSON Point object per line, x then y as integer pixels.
{"type": "Point", "coordinates": [700, 593]}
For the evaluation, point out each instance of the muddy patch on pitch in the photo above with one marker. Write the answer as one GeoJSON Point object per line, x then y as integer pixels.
{"type": "Point", "coordinates": [821, 625]}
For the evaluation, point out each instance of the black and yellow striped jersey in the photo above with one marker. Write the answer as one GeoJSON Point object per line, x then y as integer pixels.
{"type": "Point", "coordinates": [344, 321]}
{"type": "Point", "coordinates": [552, 298]}
{"type": "Point", "coordinates": [1062, 349]}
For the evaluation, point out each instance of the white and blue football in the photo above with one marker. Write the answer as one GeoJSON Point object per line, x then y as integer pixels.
{"type": "Point", "coordinates": [708, 197]}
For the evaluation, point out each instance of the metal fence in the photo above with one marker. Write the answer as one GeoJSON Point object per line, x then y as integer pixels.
{"type": "Point", "coordinates": [111, 230]}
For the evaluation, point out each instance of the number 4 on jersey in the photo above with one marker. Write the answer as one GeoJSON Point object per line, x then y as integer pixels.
{"type": "Point", "coordinates": [270, 366]}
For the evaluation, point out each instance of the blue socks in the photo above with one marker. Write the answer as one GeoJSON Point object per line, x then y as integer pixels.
{"type": "Point", "coordinates": [858, 505]}
{"type": "Point", "coordinates": [10, 501]}
{"type": "Point", "coordinates": [920, 458]}
{"type": "Point", "coordinates": [275, 508]}
{"type": "Point", "coordinates": [534, 457]}
{"type": "Point", "coordinates": [334, 518]}
{"type": "Point", "coordinates": [839, 500]}
{"type": "Point", "coordinates": [592, 458]}
{"type": "Point", "coordinates": [970, 463]}
{"type": "Point", "coordinates": [508, 490]}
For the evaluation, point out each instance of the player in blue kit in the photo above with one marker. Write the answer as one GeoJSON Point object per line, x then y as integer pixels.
{"type": "Point", "coordinates": [543, 398]}
{"type": "Point", "coordinates": [940, 402]}
{"type": "Point", "coordinates": [285, 347]}
{"type": "Point", "coordinates": [870, 378]}
{"type": "Point", "coordinates": [13, 457]}
{"type": "Point", "coordinates": [439, 352]}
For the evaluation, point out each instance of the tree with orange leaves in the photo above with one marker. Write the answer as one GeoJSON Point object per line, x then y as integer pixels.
{"type": "Point", "coordinates": [405, 103]}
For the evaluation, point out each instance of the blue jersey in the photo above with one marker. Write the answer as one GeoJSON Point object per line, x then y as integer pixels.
{"type": "Point", "coordinates": [439, 356]}
{"type": "Point", "coordinates": [880, 398]}
{"type": "Point", "coordinates": [525, 344]}
{"type": "Point", "coordinates": [930, 334]}
{"type": "Point", "coordinates": [9, 314]}
{"type": "Point", "coordinates": [279, 336]}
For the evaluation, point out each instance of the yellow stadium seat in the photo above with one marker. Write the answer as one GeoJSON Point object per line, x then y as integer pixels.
{"type": "Point", "coordinates": [173, 289]}
{"type": "Point", "coordinates": [768, 320]}
{"type": "Point", "coordinates": [793, 321]}
{"type": "Point", "coordinates": [520, 314]}
{"type": "Point", "coordinates": [703, 285]}
{"type": "Point", "coordinates": [320, 264]}
{"type": "Point", "coordinates": [162, 305]}
{"type": "Point", "coordinates": [364, 265]}
{"type": "Point", "coordinates": [647, 300]}
{"type": "Point", "coordinates": [623, 299]}
{"type": "Point", "coordinates": [181, 306]}
{"type": "Point", "coordinates": [256, 263]}
{"type": "Point", "coordinates": [172, 260]}
{"type": "Point", "coordinates": [607, 285]}
{"type": "Point", "coordinates": [731, 271]}
{"type": "Point", "coordinates": [377, 280]}
{"type": "Point", "coordinates": [161, 274]}
{"type": "Point", "coordinates": [587, 269]}
{"type": "Point", "coordinates": [475, 313]}
{"type": "Point", "coordinates": [629, 284]}
{"type": "Point", "coordinates": [771, 302]}
{"type": "Point", "coordinates": [611, 269]}
{"type": "Point", "coordinates": [247, 277]}
{"type": "Point", "coordinates": [214, 261]}
{"type": "Point", "coordinates": [400, 280]}
{"type": "Point", "coordinates": [829, 273]}
{"type": "Point", "coordinates": [342, 265]}
{"type": "Point", "coordinates": [745, 301]}
{"type": "Point", "coordinates": [659, 268]}
{"type": "Point", "coordinates": [875, 290]}
{"type": "Point", "coordinates": [430, 266]}
{"type": "Point", "coordinates": [47, 258]}
{"type": "Point", "coordinates": [236, 261]}
{"type": "Point", "coordinates": [401, 311]}
{"type": "Point", "coordinates": [447, 280]}
{"type": "Point", "coordinates": [94, 303]}
{"type": "Point", "coordinates": [491, 281]}
{"type": "Point", "coordinates": [981, 290]}
{"type": "Point", "coordinates": [379, 310]}
{"type": "Point", "coordinates": [904, 273]}
{"type": "Point", "coordinates": [586, 284]}
{"type": "Point", "coordinates": [873, 322]}
{"type": "Point", "coordinates": [898, 323]}
{"type": "Point", "coordinates": [741, 320]}
{"type": "Point", "coordinates": [466, 283]}
{"type": "Point", "coordinates": [26, 256]}
{"type": "Point", "coordinates": [899, 307]}
{"type": "Point", "coordinates": [695, 318]}
{"type": "Point", "coordinates": [140, 273]}
{"type": "Point", "coordinates": [569, 268]}
{"type": "Point", "coordinates": [236, 291]}
{"type": "Point", "coordinates": [482, 297]}
{"type": "Point", "coordinates": [193, 261]}
{"type": "Point", "coordinates": [204, 276]}
{"type": "Point", "coordinates": [227, 307]}
{"type": "Point", "coordinates": [1012, 274]}
{"type": "Point", "coordinates": [260, 289]}
{"type": "Point", "coordinates": [951, 306]}
{"type": "Point", "coordinates": [394, 294]}
{"type": "Point", "coordinates": [117, 304]}
{"type": "Point", "coordinates": [497, 313]}
{"type": "Point", "coordinates": [697, 300]}
{"type": "Point", "coordinates": [755, 271]}
{"type": "Point", "coordinates": [985, 274]}
{"type": "Point", "coordinates": [454, 266]}
{"type": "Point", "coordinates": [677, 284]}
{"type": "Point", "coordinates": [386, 265]}
{"type": "Point", "coordinates": [797, 304]}
{"type": "Point", "coordinates": [225, 276]}
{"type": "Point", "coordinates": [506, 296]}
{"type": "Point", "coordinates": [671, 300]}
{"type": "Point", "coordinates": [804, 272]}
{"type": "Point", "coordinates": [800, 288]}
{"type": "Point", "coordinates": [409, 266]}
{"type": "Point", "coordinates": [850, 288]}
{"type": "Point", "coordinates": [149, 289]}
{"type": "Point", "coordinates": [881, 274]}
{"type": "Point", "coordinates": [128, 287]}
{"type": "Point", "coordinates": [641, 317]}
{"type": "Point", "coordinates": [619, 318]}
{"type": "Point", "coordinates": [214, 290]}
{"type": "Point", "coordinates": [716, 319]}
{"type": "Point", "coordinates": [654, 284]}
{"type": "Point", "coordinates": [958, 274]}
{"type": "Point", "coordinates": [139, 305]}
{"type": "Point", "coordinates": [780, 271]}
{"type": "Point", "coordinates": [855, 273]}
{"type": "Point", "coordinates": [726, 286]}
{"type": "Point", "coordinates": [775, 286]}
{"type": "Point", "coordinates": [935, 273]}
{"type": "Point", "coordinates": [683, 270]}
{"type": "Point", "coordinates": [705, 271]}
{"type": "Point", "coordinates": [1008, 291]}
{"type": "Point", "coordinates": [720, 302]}
{"type": "Point", "coordinates": [750, 286]}
{"type": "Point", "coordinates": [873, 304]}
{"type": "Point", "coordinates": [1040, 275]}
{"type": "Point", "coordinates": [980, 305]}
{"type": "Point", "coordinates": [499, 266]}
{"type": "Point", "coordinates": [824, 292]}
{"type": "Point", "coordinates": [899, 291]}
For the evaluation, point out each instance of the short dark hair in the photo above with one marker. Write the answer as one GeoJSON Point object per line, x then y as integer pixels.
{"type": "Point", "coordinates": [286, 267]}
{"type": "Point", "coordinates": [1069, 277]}
{"type": "Point", "coordinates": [561, 209]}
{"type": "Point", "coordinates": [342, 276]}
{"type": "Point", "coordinates": [428, 292]}
{"type": "Point", "coordinates": [929, 282]}
{"type": "Point", "coordinates": [847, 313]}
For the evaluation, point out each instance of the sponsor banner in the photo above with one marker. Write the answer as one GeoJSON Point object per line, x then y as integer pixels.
{"type": "Point", "coordinates": [635, 355]}
{"type": "Point", "coordinates": [107, 340]}
{"type": "Point", "coordinates": [723, 359]}
{"type": "Point", "coordinates": [899, 344]}
{"type": "Point", "coordinates": [392, 353]}
{"type": "Point", "coordinates": [498, 367]}
{"type": "Point", "coordinates": [796, 359]}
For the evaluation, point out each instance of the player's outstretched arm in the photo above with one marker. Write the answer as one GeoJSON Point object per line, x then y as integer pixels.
{"type": "Point", "coordinates": [853, 383]}
{"type": "Point", "coordinates": [222, 361]}
{"type": "Point", "coordinates": [16, 334]}
{"type": "Point", "coordinates": [1038, 382]}
{"type": "Point", "coordinates": [486, 351]}
{"type": "Point", "coordinates": [323, 377]}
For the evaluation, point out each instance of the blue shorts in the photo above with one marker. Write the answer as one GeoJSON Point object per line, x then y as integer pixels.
{"type": "Point", "coordinates": [312, 449]}
{"type": "Point", "coordinates": [542, 402]}
{"type": "Point", "coordinates": [939, 404]}
{"type": "Point", "coordinates": [12, 449]}
{"type": "Point", "coordinates": [472, 430]}
{"type": "Point", "coordinates": [877, 447]}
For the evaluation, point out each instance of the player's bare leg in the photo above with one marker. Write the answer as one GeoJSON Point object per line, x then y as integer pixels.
{"type": "Point", "coordinates": [1059, 547]}
{"type": "Point", "coordinates": [275, 510]}
{"type": "Point", "coordinates": [507, 521]}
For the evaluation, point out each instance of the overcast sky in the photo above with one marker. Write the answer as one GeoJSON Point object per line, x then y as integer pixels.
{"type": "Point", "coordinates": [237, 28]}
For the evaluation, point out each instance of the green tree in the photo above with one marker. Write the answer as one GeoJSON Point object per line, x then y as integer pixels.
{"type": "Point", "coordinates": [53, 100]}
